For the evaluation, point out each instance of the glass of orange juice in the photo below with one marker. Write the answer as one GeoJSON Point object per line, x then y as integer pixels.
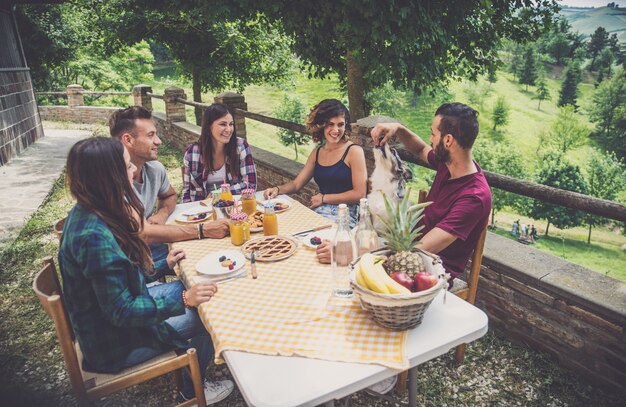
{"type": "Point", "coordinates": [248, 201]}
{"type": "Point", "coordinates": [270, 221]}
{"type": "Point", "coordinates": [239, 228]}
{"type": "Point", "coordinates": [226, 195]}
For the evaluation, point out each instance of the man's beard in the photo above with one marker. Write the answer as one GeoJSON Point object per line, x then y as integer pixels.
{"type": "Point", "coordinates": [442, 154]}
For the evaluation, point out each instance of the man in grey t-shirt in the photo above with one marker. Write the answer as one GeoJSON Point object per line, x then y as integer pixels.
{"type": "Point", "coordinates": [134, 128]}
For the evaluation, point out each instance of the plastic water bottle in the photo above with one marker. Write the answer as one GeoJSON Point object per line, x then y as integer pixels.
{"type": "Point", "coordinates": [365, 236]}
{"type": "Point", "coordinates": [342, 253]}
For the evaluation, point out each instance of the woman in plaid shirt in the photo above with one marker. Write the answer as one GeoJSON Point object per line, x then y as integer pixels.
{"type": "Point", "coordinates": [219, 156]}
{"type": "Point", "coordinates": [117, 320]}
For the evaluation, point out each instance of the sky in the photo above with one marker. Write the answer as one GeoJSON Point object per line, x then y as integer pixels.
{"type": "Point", "coordinates": [591, 3]}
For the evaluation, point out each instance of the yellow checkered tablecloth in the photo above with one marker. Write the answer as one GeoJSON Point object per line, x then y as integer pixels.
{"type": "Point", "coordinates": [289, 309]}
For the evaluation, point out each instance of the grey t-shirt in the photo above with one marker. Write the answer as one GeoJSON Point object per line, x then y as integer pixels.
{"type": "Point", "coordinates": [154, 183]}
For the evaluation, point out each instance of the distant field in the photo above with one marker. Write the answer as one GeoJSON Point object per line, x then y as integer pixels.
{"type": "Point", "coordinates": [586, 21]}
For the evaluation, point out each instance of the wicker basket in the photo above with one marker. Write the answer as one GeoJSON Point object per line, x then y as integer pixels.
{"type": "Point", "coordinates": [399, 312]}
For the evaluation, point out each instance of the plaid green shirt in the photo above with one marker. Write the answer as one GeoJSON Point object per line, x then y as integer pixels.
{"type": "Point", "coordinates": [107, 299]}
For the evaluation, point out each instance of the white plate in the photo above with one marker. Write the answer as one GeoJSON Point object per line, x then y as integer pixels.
{"type": "Point", "coordinates": [185, 216]}
{"type": "Point", "coordinates": [285, 202]}
{"type": "Point", "coordinates": [327, 234]}
{"type": "Point", "coordinates": [211, 266]}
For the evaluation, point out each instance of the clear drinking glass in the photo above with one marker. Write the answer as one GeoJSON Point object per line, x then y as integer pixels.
{"type": "Point", "coordinates": [342, 253]}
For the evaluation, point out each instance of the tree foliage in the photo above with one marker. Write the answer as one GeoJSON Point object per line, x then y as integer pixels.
{"type": "Point", "coordinates": [500, 113]}
{"type": "Point", "coordinates": [528, 73]}
{"type": "Point", "coordinates": [411, 44]}
{"type": "Point", "coordinates": [560, 43]}
{"type": "Point", "coordinates": [569, 87]}
{"type": "Point", "coordinates": [598, 41]}
{"type": "Point", "coordinates": [566, 133]}
{"type": "Point", "coordinates": [608, 111]}
{"type": "Point", "coordinates": [501, 158]}
{"type": "Point", "coordinates": [542, 93]}
{"type": "Point", "coordinates": [292, 109]}
{"type": "Point", "coordinates": [555, 171]}
{"type": "Point", "coordinates": [606, 177]}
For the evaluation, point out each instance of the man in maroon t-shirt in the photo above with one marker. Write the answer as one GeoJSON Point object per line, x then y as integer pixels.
{"type": "Point", "coordinates": [460, 194]}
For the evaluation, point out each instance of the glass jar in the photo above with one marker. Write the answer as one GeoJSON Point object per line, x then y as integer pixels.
{"type": "Point", "coordinates": [226, 195]}
{"type": "Point", "coordinates": [239, 228]}
{"type": "Point", "coordinates": [248, 201]}
{"type": "Point", "coordinates": [270, 221]}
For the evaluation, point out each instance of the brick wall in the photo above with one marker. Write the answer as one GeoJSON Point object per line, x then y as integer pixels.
{"type": "Point", "coordinates": [572, 314]}
{"type": "Point", "coordinates": [20, 125]}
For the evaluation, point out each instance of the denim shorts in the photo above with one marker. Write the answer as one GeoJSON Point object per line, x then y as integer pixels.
{"type": "Point", "coordinates": [329, 211]}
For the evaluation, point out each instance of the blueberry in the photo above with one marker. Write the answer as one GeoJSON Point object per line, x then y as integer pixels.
{"type": "Point", "coordinates": [222, 258]}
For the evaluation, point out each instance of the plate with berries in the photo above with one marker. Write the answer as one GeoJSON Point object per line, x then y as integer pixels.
{"type": "Point", "coordinates": [314, 239]}
{"type": "Point", "coordinates": [221, 263]}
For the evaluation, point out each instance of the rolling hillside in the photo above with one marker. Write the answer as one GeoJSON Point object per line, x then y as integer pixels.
{"type": "Point", "coordinates": [586, 20]}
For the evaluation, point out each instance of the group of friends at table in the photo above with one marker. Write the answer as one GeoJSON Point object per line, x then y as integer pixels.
{"type": "Point", "coordinates": [114, 243]}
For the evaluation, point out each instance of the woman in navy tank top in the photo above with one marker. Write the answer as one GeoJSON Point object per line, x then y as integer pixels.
{"type": "Point", "coordinates": [337, 165]}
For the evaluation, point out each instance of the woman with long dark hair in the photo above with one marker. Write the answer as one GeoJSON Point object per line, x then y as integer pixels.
{"type": "Point", "coordinates": [337, 165]}
{"type": "Point", "coordinates": [218, 157]}
{"type": "Point", "coordinates": [117, 320]}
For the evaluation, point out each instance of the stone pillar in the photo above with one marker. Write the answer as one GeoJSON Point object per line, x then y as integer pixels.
{"type": "Point", "coordinates": [235, 101]}
{"type": "Point", "coordinates": [174, 111]}
{"type": "Point", "coordinates": [140, 97]}
{"type": "Point", "coordinates": [75, 96]}
{"type": "Point", "coordinates": [361, 135]}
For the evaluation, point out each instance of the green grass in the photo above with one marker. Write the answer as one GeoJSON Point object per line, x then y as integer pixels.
{"type": "Point", "coordinates": [495, 372]}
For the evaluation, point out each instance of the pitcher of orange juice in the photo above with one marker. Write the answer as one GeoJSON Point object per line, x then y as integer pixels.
{"type": "Point", "coordinates": [239, 228]}
{"type": "Point", "coordinates": [270, 221]}
{"type": "Point", "coordinates": [226, 195]}
{"type": "Point", "coordinates": [248, 201]}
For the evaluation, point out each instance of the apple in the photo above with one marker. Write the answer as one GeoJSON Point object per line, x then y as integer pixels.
{"type": "Point", "coordinates": [403, 278]}
{"type": "Point", "coordinates": [424, 280]}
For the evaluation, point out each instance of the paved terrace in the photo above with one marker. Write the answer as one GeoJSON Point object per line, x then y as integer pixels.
{"type": "Point", "coordinates": [27, 179]}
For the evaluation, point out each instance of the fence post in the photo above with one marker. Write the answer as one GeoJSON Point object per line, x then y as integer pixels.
{"type": "Point", "coordinates": [235, 101]}
{"type": "Point", "coordinates": [140, 98]}
{"type": "Point", "coordinates": [174, 111]}
{"type": "Point", "coordinates": [75, 96]}
{"type": "Point", "coordinates": [361, 135]}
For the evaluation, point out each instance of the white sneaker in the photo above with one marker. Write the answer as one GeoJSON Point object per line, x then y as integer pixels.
{"type": "Point", "coordinates": [384, 386]}
{"type": "Point", "coordinates": [213, 391]}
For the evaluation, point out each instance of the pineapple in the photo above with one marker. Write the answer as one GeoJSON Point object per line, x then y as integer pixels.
{"type": "Point", "coordinates": [400, 236]}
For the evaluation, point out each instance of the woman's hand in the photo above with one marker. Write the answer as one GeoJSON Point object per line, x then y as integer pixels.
{"type": "Point", "coordinates": [174, 256]}
{"type": "Point", "coordinates": [200, 293]}
{"type": "Point", "coordinates": [216, 229]}
{"type": "Point", "coordinates": [316, 200]}
{"type": "Point", "coordinates": [322, 252]}
{"type": "Point", "coordinates": [271, 193]}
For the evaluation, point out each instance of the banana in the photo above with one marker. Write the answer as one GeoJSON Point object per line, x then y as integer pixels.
{"type": "Point", "coordinates": [371, 278]}
{"type": "Point", "coordinates": [359, 276]}
{"type": "Point", "coordinates": [392, 285]}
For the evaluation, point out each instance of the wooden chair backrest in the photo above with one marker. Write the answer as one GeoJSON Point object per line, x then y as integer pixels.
{"type": "Point", "coordinates": [469, 293]}
{"type": "Point", "coordinates": [48, 289]}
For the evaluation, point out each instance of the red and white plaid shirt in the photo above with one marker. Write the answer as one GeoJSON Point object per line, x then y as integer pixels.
{"type": "Point", "coordinates": [195, 186]}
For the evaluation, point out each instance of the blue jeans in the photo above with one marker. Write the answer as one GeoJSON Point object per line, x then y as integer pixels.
{"type": "Point", "coordinates": [159, 253]}
{"type": "Point", "coordinates": [329, 211]}
{"type": "Point", "coordinates": [188, 326]}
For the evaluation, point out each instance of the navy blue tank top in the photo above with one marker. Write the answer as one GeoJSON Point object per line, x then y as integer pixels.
{"type": "Point", "coordinates": [333, 179]}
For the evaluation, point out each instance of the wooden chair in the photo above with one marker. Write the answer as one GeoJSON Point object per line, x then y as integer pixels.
{"type": "Point", "coordinates": [462, 289]}
{"type": "Point", "coordinates": [89, 386]}
{"type": "Point", "coordinates": [58, 228]}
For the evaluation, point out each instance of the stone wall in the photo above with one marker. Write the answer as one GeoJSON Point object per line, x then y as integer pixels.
{"type": "Point", "coordinates": [77, 114]}
{"type": "Point", "coordinates": [572, 314]}
{"type": "Point", "coordinates": [20, 125]}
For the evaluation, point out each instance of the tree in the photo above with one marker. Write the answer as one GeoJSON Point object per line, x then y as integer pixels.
{"type": "Point", "coordinates": [500, 114]}
{"type": "Point", "coordinates": [411, 43]}
{"type": "Point", "coordinates": [598, 41]}
{"type": "Point", "coordinates": [293, 110]}
{"type": "Point", "coordinates": [492, 75]}
{"type": "Point", "coordinates": [569, 87]}
{"type": "Point", "coordinates": [501, 158]}
{"type": "Point", "coordinates": [608, 111]}
{"type": "Point", "coordinates": [528, 72]}
{"type": "Point", "coordinates": [559, 43]}
{"type": "Point", "coordinates": [566, 133]}
{"type": "Point", "coordinates": [543, 93]}
{"type": "Point", "coordinates": [606, 178]}
{"type": "Point", "coordinates": [218, 45]}
{"type": "Point", "coordinates": [555, 171]}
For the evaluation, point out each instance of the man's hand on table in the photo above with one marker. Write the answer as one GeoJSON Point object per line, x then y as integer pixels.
{"type": "Point", "coordinates": [216, 229]}
{"type": "Point", "coordinates": [158, 218]}
{"type": "Point", "coordinates": [200, 293]}
{"type": "Point", "coordinates": [323, 252]}
{"type": "Point", "coordinates": [174, 256]}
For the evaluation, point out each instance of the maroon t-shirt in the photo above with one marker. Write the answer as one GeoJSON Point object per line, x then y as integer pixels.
{"type": "Point", "coordinates": [461, 207]}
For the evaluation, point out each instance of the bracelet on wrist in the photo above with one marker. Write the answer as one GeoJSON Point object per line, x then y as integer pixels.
{"type": "Point", "coordinates": [277, 190]}
{"type": "Point", "coordinates": [185, 303]}
{"type": "Point", "coordinates": [322, 198]}
{"type": "Point", "coordinates": [199, 229]}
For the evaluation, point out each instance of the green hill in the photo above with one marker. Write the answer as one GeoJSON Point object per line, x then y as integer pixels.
{"type": "Point", "coordinates": [587, 20]}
